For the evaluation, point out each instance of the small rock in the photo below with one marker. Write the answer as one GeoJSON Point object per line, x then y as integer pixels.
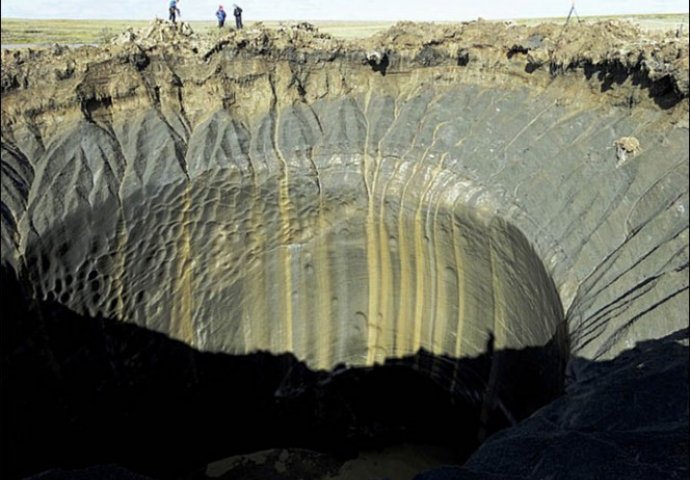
{"type": "Point", "coordinates": [625, 146]}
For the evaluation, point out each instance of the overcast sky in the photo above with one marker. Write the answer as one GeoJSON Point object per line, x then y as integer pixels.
{"type": "Point", "coordinates": [441, 10]}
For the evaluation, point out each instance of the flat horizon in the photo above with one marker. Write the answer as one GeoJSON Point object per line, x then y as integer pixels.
{"type": "Point", "coordinates": [340, 10]}
{"type": "Point", "coordinates": [333, 20]}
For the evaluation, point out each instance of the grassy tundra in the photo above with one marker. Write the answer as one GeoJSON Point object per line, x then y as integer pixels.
{"type": "Point", "coordinates": [41, 32]}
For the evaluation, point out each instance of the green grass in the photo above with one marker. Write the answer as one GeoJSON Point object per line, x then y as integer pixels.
{"type": "Point", "coordinates": [22, 31]}
{"type": "Point", "coordinates": [660, 21]}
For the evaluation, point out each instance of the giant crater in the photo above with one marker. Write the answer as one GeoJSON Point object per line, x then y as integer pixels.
{"type": "Point", "coordinates": [291, 241]}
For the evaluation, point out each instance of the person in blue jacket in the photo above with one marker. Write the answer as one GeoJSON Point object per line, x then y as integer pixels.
{"type": "Point", "coordinates": [173, 10]}
{"type": "Point", "coordinates": [220, 15]}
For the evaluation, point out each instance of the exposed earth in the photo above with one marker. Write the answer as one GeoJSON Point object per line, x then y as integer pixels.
{"type": "Point", "coordinates": [442, 252]}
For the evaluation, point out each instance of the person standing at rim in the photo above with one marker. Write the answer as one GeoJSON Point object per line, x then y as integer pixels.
{"type": "Point", "coordinates": [173, 11]}
{"type": "Point", "coordinates": [238, 16]}
{"type": "Point", "coordinates": [220, 15]}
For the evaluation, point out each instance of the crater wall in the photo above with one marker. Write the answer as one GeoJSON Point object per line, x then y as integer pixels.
{"type": "Point", "coordinates": [429, 188]}
{"type": "Point", "coordinates": [238, 198]}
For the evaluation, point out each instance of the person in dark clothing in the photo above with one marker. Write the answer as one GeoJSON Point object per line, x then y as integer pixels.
{"type": "Point", "coordinates": [220, 15]}
{"type": "Point", "coordinates": [173, 10]}
{"type": "Point", "coordinates": [238, 16]}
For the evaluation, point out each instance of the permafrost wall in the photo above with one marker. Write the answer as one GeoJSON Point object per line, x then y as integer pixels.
{"type": "Point", "coordinates": [339, 257]}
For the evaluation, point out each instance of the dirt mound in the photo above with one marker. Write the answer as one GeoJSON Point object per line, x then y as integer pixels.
{"type": "Point", "coordinates": [613, 47]}
{"type": "Point", "coordinates": [158, 31]}
{"type": "Point", "coordinates": [616, 58]}
{"type": "Point", "coordinates": [299, 35]}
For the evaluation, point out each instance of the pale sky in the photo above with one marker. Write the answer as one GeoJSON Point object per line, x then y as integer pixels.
{"type": "Point", "coordinates": [421, 10]}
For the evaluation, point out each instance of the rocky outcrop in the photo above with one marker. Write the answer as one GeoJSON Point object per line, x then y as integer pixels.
{"type": "Point", "coordinates": [350, 202]}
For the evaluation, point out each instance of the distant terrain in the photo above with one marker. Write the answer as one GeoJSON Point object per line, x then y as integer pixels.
{"type": "Point", "coordinates": [38, 32]}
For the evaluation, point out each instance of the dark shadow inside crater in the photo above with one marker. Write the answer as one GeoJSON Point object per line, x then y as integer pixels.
{"type": "Point", "coordinates": [379, 63]}
{"type": "Point", "coordinates": [661, 90]}
{"type": "Point", "coordinates": [80, 391]}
